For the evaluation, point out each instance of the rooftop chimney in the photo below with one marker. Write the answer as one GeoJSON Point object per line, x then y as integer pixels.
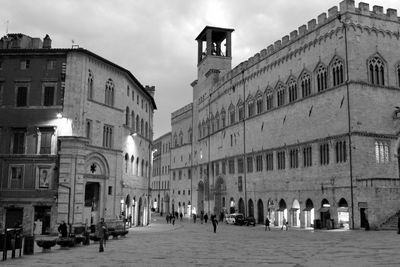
{"type": "Point", "coordinates": [151, 90]}
{"type": "Point", "coordinates": [47, 42]}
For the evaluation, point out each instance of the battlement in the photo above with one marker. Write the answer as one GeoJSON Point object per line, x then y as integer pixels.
{"type": "Point", "coordinates": [303, 30]}
{"type": "Point", "coordinates": [182, 111]}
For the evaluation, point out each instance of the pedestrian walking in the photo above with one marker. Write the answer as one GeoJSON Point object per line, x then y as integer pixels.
{"type": "Point", "coordinates": [201, 217]}
{"type": "Point", "coordinates": [284, 224]}
{"type": "Point", "coordinates": [194, 218]}
{"type": "Point", "coordinates": [167, 218]}
{"type": "Point", "coordinates": [205, 218]}
{"type": "Point", "coordinates": [181, 215]}
{"type": "Point", "coordinates": [214, 222]}
{"type": "Point", "coordinates": [63, 229]}
{"type": "Point", "coordinates": [267, 222]}
{"type": "Point", "coordinates": [101, 229]}
{"type": "Point", "coordinates": [173, 219]}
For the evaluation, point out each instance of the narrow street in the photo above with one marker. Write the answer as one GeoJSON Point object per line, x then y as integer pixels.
{"type": "Point", "coordinates": [188, 244]}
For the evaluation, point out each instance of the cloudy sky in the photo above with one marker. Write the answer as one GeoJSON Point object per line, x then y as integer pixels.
{"type": "Point", "coordinates": [154, 39]}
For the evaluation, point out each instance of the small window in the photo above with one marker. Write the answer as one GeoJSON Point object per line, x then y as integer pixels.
{"type": "Point", "coordinates": [107, 136]}
{"type": "Point", "coordinates": [22, 96]}
{"type": "Point", "coordinates": [305, 82]}
{"type": "Point", "coordinates": [25, 64]}
{"type": "Point", "coordinates": [110, 190]}
{"type": "Point", "coordinates": [376, 71]}
{"type": "Point", "coordinates": [270, 161]}
{"type": "Point", "coordinates": [324, 154]}
{"type": "Point", "coordinates": [16, 175]}
{"type": "Point", "coordinates": [322, 83]}
{"type": "Point", "coordinates": [281, 160]}
{"type": "Point", "coordinates": [49, 92]}
{"type": "Point", "coordinates": [382, 149]}
{"type": "Point", "coordinates": [46, 135]}
{"type": "Point", "coordinates": [240, 165]}
{"type": "Point", "coordinates": [281, 95]}
{"type": "Point", "coordinates": [50, 64]}
{"type": "Point", "coordinates": [341, 152]}
{"type": "Point", "coordinates": [292, 91]}
{"type": "Point", "coordinates": [18, 143]}
{"type": "Point", "coordinates": [89, 129]}
{"type": "Point", "coordinates": [249, 164]}
{"type": "Point", "coordinates": [294, 158]}
{"type": "Point", "coordinates": [231, 166]}
{"type": "Point", "coordinates": [127, 90]}
{"type": "Point", "coordinates": [259, 163]}
{"type": "Point", "coordinates": [269, 101]}
{"type": "Point", "coordinates": [307, 156]}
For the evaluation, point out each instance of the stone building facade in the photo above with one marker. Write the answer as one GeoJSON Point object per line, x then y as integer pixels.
{"type": "Point", "coordinates": [76, 132]}
{"type": "Point", "coordinates": [307, 129]}
{"type": "Point", "coordinates": [160, 180]}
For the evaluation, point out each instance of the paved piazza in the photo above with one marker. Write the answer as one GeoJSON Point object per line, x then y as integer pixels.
{"type": "Point", "coordinates": [188, 244]}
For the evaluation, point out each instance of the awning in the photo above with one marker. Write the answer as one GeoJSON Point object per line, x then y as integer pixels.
{"type": "Point", "coordinates": [308, 208]}
{"type": "Point", "coordinates": [323, 209]}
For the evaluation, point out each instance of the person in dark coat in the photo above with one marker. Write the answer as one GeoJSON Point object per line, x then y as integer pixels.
{"type": "Point", "coordinates": [201, 217]}
{"type": "Point", "coordinates": [194, 218]}
{"type": "Point", "coordinates": [214, 222]}
{"type": "Point", "coordinates": [101, 229]}
{"type": "Point", "coordinates": [167, 218]}
{"type": "Point", "coordinates": [181, 215]}
{"type": "Point", "coordinates": [267, 222]}
{"type": "Point", "coordinates": [63, 229]}
{"type": "Point", "coordinates": [173, 219]}
{"type": "Point", "coordinates": [205, 218]}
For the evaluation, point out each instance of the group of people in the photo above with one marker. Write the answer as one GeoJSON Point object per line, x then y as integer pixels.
{"type": "Point", "coordinates": [170, 217]}
{"type": "Point", "coordinates": [285, 224]}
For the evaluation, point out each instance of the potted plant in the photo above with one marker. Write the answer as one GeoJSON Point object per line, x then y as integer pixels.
{"type": "Point", "coordinates": [65, 242]}
{"type": "Point", "coordinates": [46, 244]}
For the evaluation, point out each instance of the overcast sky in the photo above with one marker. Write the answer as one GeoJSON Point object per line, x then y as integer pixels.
{"type": "Point", "coordinates": [154, 39]}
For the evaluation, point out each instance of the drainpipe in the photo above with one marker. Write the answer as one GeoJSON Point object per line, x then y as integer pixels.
{"type": "Point", "coordinates": [349, 122]}
{"type": "Point", "coordinates": [208, 146]}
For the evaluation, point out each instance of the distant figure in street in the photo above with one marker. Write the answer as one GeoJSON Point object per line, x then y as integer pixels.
{"type": "Point", "coordinates": [101, 229]}
{"type": "Point", "coordinates": [221, 216]}
{"type": "Point", "coordinates": [205, 218]}
{"type": "Point", "coordinates": [63, 229]}
{"type": "Point", "coordinates": [173, 219]}
{"type": "Point", "coordinates": [267, 222]}
{"type": "Point", "coordinates": [201, 216]}
{"type": "Point", "coordinates": [167, 218]}
{"type": "Point", "coordinates": [181, 215]}
{"type": "Point", "coordinates": [284, 224]}
{"type": "Point", "coordinates": [214, 222]}
{"type": "Point", "coordinates": [176, 214]}
{"type": "Point", "coordinates": [194, 218]}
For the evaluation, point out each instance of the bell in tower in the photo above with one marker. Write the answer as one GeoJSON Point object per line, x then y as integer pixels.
{"type": "Point", "coordinates": [214, 50]}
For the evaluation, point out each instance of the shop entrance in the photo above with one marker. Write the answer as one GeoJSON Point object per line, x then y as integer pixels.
{"type": "Point", "coordinates": [309, 214]}
{"type": "Point", "coordinates": [42, 220]}
{"type": "Point", "coordinates": [14, 216]}
{"type": "Point", "coordinates": [260, 209]}
{"type": "Point", "coordinates": [241, 206]}
{"type": "Point", "coordinates": [343, 214]}
{"type": "Point", "coordinates": [363, 217]}
{"type": "Point", "coordinates": [92, 201]}
{"type": "Point", "coordinates": [325, 215]}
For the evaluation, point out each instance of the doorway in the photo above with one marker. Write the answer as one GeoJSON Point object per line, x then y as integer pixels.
{"type": "Point", "coordinates": [14, 216]}
{"type": "Point", "coordinates": [42, 220]}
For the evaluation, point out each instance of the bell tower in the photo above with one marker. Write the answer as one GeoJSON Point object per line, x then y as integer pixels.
{"type": "Point", "coordinates": [214, 51]}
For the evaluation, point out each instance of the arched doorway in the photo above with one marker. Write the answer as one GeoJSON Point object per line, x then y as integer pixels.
{"type": "Point", "coordinates": [129, 209]}
{"type": "Point", "coordinates": [251, 208]}
{"type": "Point", "coordinates": [282, 212]}
{"type": "Point", "coordinates": [295, 214]}
{"type": "Point", "coordinates": [343, 214]}
{"type": "Point", "coordinates": [92, 203]}
{"type": "Point", "coordinates": [309, 214]}
{"type": "Point", "coordinates": [232, 205]}
{"type": "Point", "coordinates": [241, 206]}
{"type": "Point", "coordinates": [271, 211]}
{"type": "Point", "coordinates": [325, 214]}
{"type": "Point", "coordinates": [260, 211]}
{"type": "Point", "coordinates": [200, 197]}
{"type": "Point", "coordinates": [140, 212]}
{"type": "Point", "coordinates": [220, 190]}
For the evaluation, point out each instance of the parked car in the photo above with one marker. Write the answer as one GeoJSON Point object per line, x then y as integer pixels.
{"type": "Point", "coordinates": [229, 219]}
{"type": "Point", "coordinates": [234, 218]}
{"type": "Point", "coordinates": [239, 218]}
{"type": "Point", "coordinates": [250, 221]}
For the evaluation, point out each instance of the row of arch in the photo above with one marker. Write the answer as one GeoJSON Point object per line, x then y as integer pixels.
{"type": "Point", "coordinates": [279, 211]}
{"type": "Point", "coordinates": [137, 124]}
{"type": "Point", "coordinates": [142, 166]}
{"type": "Point", "coordinates": [179, 141]}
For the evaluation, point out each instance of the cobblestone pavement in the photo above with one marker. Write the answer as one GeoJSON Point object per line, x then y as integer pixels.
{"type": "Point", "coordinates": [188, 244]}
